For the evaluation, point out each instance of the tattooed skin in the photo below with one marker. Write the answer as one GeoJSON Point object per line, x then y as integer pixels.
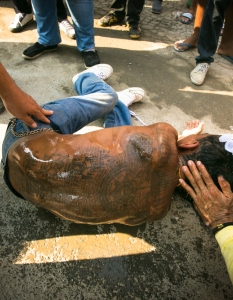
{"type": "Point", "coordinates": [125, 174]}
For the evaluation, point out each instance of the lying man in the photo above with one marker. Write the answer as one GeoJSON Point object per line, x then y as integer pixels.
{"type": "Point", "coordinates": [124, 174]}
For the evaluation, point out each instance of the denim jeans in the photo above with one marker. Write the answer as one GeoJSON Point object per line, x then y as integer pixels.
{"type": "Point", "coordinates": [129, 8]}
{"type": "Point", "coordinates": [96, 100]}
{"type": "Point", "coordinates": [82, 13]}
{"type": "Point", "coordinates": [210, 30]}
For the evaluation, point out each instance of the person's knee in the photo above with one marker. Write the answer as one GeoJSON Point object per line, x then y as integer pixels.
{"type": "Point", "coordinates": [113, 98]}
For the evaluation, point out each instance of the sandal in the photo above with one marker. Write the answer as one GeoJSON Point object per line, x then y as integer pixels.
{"type": "Point", "coordinates": [186, 45]}
{"type": "Point", "coordinates": [188, 16]}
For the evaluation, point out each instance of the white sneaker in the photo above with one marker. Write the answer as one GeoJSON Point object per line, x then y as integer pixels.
{"type": "Point", "coordinates": [103, 71]}
{"type": "Point", "coordinates": [131, 95]}
{"type": "Point", "coordinates": [20, 20]}
{"type": "Point", "coordinates": [68, 28]}
{"type": "Point", "coordinates": [198, 74]}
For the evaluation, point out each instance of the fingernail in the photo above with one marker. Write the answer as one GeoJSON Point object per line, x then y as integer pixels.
{"type": "Point", "coordinates": [190, 162]}
{"type": "Point", "coordinates": [198, 163]}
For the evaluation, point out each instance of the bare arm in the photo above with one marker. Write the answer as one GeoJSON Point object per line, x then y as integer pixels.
{"type": "Point", "coordinates": [18, 103]}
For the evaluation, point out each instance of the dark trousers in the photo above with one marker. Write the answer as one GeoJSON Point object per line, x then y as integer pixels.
{"type": "Point", "coordinates": [24, 6]}
{"type": "Point", "coordinates": [210, 29]}
{"type": "Point", "coordinates": [130, 9]}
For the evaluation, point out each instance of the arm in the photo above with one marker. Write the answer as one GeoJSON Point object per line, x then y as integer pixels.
{"type": "Point", "coordinates": [18, 103]}
{"type": "Point", "coordinates": [214, 206]}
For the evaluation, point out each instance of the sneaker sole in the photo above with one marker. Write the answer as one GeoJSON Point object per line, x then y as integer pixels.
{"type": "Point", "coordinates": [110, 23]}
{"type": "Point", "coordinates": [140, 95]}
{"type": "Point", "coordinates": [35, 56]}
{"type": "Point", "coordinates": [195, 82]}
{"type": "Point", "coordinates": [135, 36]}
{"type": "Point", "coordinates": [19, 29]}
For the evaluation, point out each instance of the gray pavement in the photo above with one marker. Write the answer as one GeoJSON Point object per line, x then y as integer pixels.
{"type": "Point", "coordinates": [43, 257]}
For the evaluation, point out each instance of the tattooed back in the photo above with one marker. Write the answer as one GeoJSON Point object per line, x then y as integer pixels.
{"type": "Point", "coordinates": [118, 175]}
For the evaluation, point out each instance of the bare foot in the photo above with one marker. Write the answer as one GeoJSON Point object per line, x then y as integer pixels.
{"type": "Point", "coordinates": [190, 42]}
{"type": "Point", "coordinates": [194, 127]}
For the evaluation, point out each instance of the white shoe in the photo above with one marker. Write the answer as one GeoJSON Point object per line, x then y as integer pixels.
{"type": "Point", "coordinates": [68, 28]}
{"type": "Point", "coordinates": [103, 71]}
{"type": "Point", "coordinates": [131, 95]}
{"type": "Point", "coordinates": [198, 74]}
{"type": "Point", "coordinates": [20, 20]}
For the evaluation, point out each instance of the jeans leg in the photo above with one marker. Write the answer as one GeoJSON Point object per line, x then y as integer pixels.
{"type": "Point", "coordinates": [46, 19]}
{"type": "Point", "coordinates": [210, 29]}
{"type": "Point", "coordinates": [96, 99]}
{"type": "Point", "coordinates": [119, 116]}
{"type": "Point", "coordinates": [22, 6]}
{"type": "Point", "coordinates": [133, 10]}
{"type": "Point", "coordinates": [82, 13]}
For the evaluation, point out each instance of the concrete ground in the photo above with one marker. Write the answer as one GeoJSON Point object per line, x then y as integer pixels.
{"type": "Point", "coordinates": [43, 257]}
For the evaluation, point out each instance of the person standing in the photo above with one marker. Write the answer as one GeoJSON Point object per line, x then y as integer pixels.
{"type": "Point", "coordinates": [208, 38]}
{"type": "Point", "coordinates": [82, 14]}
{"type": "Point", "coordinates": [24, 17]}
{"type": "Point", "coordinates": [121, 9]}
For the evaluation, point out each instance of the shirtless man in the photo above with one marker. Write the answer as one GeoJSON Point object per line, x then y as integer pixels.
{"type": "Point", "coordinates": [124, 174]}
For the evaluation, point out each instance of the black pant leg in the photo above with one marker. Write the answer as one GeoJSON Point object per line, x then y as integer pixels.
{"type": "Point", "coordinates": [22, 6]}
{"type": "Point", "coordinates": [210, 29]}
{"type": "Point", "coordinates": [61, 11]}
{"type": "Point", "coordinates": [119, 6]}
{"type": "Point", "coordinates": [133, 10]}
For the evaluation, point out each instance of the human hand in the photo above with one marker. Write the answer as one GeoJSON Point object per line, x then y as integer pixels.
{"type": "Point", "coordinates": [23, 106]}
{"type": "Point", "coordinates": [194, 127]}
{"type": "Point", "coordinates": [214, 206]}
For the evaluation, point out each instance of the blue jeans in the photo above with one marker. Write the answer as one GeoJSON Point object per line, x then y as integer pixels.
{"type": "Point", "coordinates": [210, 30]}
{"type": "Point", "coordinates": [82, 13]}
{"type": "Point", "coordinates": [96, 100]}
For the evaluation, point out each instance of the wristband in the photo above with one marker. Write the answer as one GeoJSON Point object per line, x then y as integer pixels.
{"type": "Point", "coordinates": [221, 226]}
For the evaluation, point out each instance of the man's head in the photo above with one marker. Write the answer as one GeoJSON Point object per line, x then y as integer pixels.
{"type": "Point", "coordinates": [211, 152]}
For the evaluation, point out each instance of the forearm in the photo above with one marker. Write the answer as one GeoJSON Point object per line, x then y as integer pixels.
{"type": "Point", "coordinates": [224, 238]}
{"type": "Point", "coordinates": [7, 85]}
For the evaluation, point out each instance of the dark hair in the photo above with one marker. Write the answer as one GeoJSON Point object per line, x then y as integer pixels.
{"type": "Point", "coordinates": [215, 158]}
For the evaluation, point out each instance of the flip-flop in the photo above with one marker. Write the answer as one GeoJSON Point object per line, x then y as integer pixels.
{"type": "Point", "coordinates": [229, 58]}
{"type": "Point", "coordinates": [187, 15]}
{"type": "Point", "coordinates": [183, 45]}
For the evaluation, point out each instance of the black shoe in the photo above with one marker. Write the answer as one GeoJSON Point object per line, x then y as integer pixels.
{"type": "Point", "coordinates": [157, 6]}
{"type": "Point", "coordinates": [2, 107]}
{"type": "Point", "coordinates": [110, 19]}
{"type": "Point", "coordinates": [91, 58]}
{"type": "Point", "coordinates": [134, 31]}
{"type": "Point", "coordinates": [36, 50]}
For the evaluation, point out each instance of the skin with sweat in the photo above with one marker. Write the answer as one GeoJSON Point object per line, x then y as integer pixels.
{"type": "Point", "coordinates": [118, 175]}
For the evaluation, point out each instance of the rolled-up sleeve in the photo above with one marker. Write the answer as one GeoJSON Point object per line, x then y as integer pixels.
{"type": "Point", "coordinates": [225, 240]}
